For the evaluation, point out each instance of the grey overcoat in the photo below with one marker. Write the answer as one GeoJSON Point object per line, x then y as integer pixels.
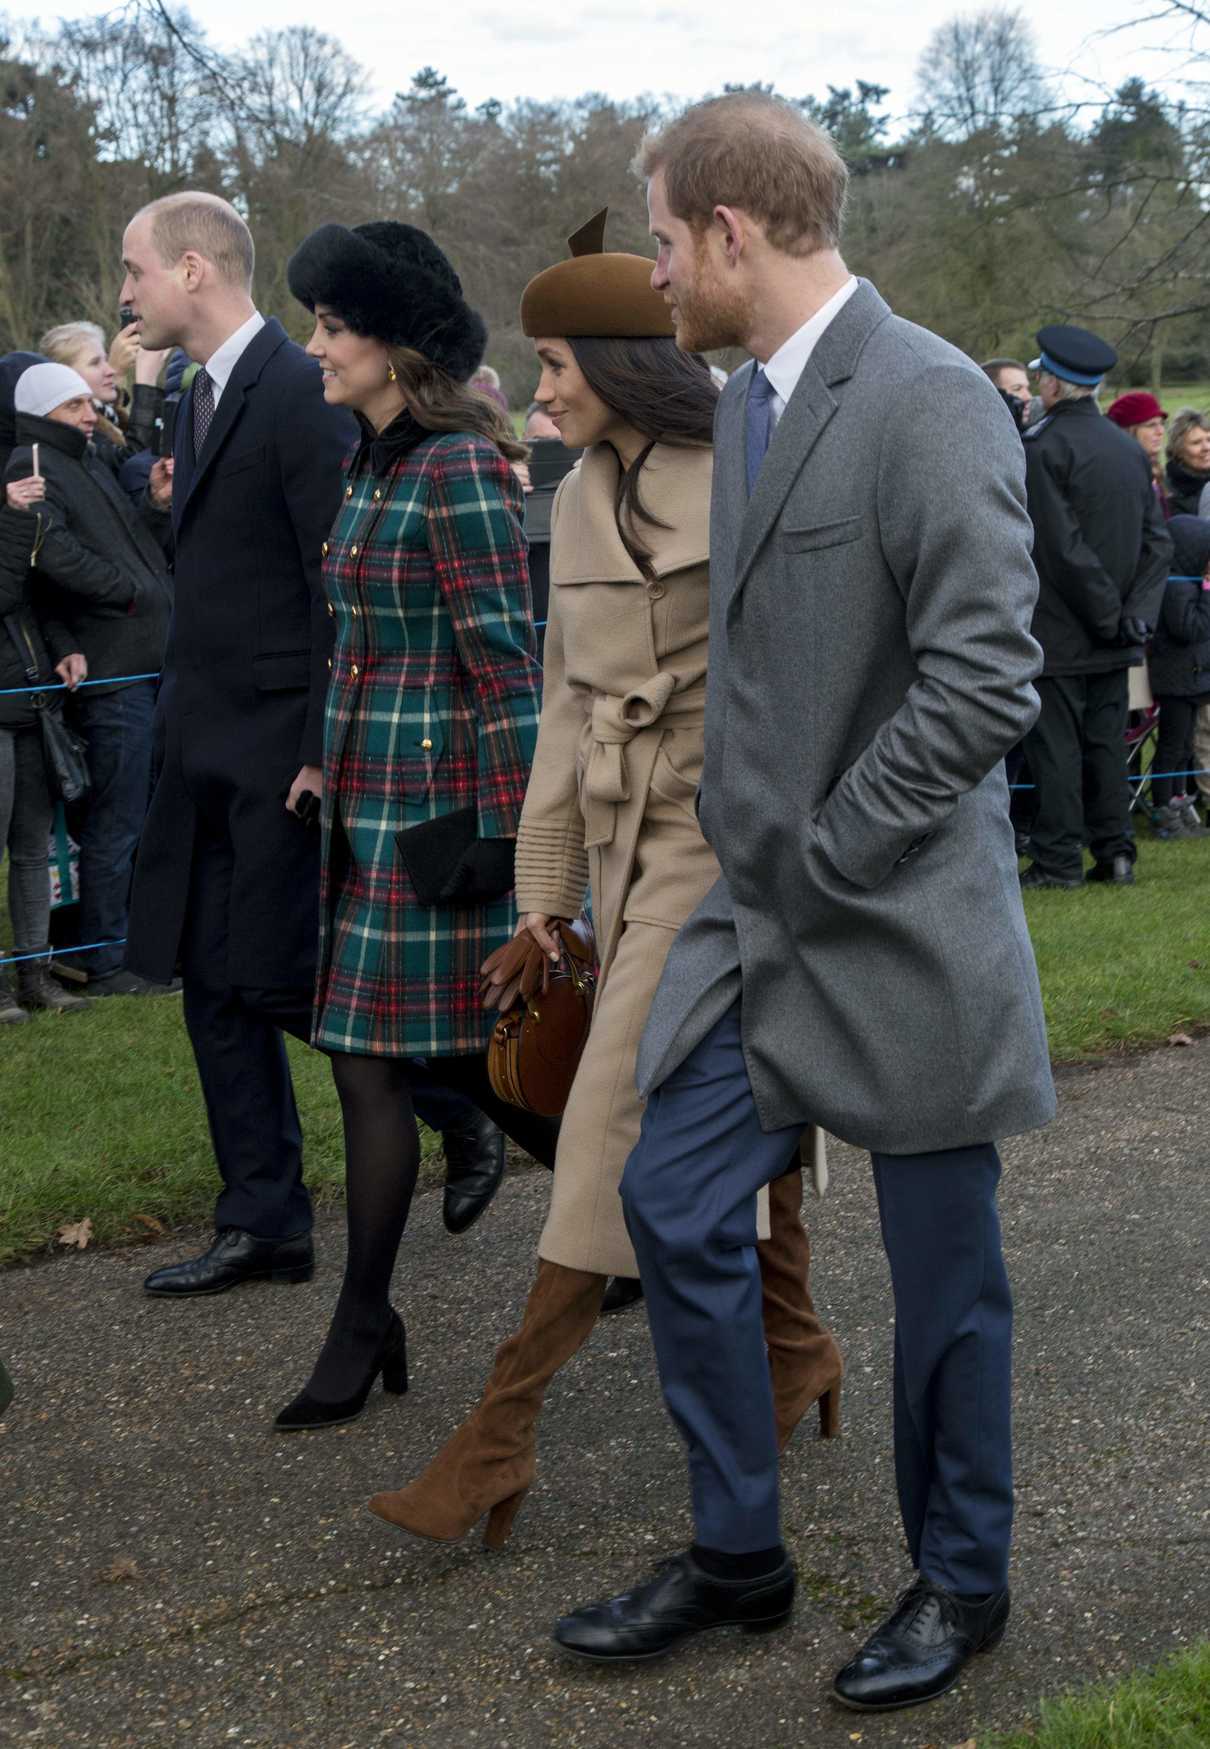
{"type": "Point", "coordinates": [870, 664]}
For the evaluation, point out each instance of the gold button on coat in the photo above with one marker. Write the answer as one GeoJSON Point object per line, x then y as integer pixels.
{"type": "Point", "coordinates": [377, 495]}
{"type": "Point", "coordinates": [329, 661]}
{"type": "Point", "coordinates": [356, 613]}
{"type": "Point", "coordinates": [324, 549]}
{"type": "Point", "coordinates": [427, 745]}
{"type": "Point", "coordinates": [354, 671]}
{"type": "Point", "coordinates": [348, 491]}
{"type": "Point", "coordinates": [352, 552]}
{"type": "Point", "coordinates": [331, 610]}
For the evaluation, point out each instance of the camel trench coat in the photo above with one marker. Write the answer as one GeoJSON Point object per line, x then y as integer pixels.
{"type": "Point", "coordinates": [611, 801]}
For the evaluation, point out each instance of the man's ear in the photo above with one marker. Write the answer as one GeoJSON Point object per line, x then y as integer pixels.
{"type": "Point", "coordinates": [193, 268]}
{"type": "Point", "coordinates": [733, 232]}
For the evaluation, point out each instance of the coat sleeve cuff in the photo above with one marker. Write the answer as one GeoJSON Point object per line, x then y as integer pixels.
{"type": "Point", "coordinates": [552, 868]}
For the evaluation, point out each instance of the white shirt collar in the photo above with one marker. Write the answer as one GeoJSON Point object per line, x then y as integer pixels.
{"type": "Point", "coordinates": [790, 360]}
{"type": "Point", "coordinates": [221, 363]}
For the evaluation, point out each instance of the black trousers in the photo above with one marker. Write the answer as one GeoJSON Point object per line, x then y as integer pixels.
{"type": "Point", "coordinates": [1077, 755]}
{"type": "Point", "coordinates": [1174, 748]}
{"type": "Point", "coordinates": [236, 1034]}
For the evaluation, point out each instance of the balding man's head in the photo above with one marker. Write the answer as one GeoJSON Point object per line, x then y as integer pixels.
{"type": "Point", "coordinates": [188, 261]}
{"type": "Point", "coordinates": [207, 226]}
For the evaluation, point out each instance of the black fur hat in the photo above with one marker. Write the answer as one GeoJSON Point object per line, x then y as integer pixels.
{"type": "Point", "coordinates": [392, 283]}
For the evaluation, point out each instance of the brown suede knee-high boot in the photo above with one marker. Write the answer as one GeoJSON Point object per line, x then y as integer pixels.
{"type": "Point", "coordinates": [804, 1360]}
{"type": "Point", "coordinates": [489, 1462]}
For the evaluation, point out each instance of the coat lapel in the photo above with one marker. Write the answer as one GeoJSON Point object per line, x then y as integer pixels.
{"type": "Point", "coordinates": [249, 365]}
{"type": "Point", "coordinates": [810, 408]}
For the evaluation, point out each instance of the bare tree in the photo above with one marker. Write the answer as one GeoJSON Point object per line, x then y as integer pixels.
{"type": "Point", "coordinates": [978, 72]}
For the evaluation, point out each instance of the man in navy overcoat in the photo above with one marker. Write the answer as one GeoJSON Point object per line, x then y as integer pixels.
{"type": "Point", "coordinates": [226, 884]}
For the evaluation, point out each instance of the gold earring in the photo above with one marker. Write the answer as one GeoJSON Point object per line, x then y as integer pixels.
{"type": "Point", "coordinates": [391, 373]}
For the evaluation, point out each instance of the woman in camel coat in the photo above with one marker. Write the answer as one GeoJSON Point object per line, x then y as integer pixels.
{"type": "Point", "coordinates": [611, 806]}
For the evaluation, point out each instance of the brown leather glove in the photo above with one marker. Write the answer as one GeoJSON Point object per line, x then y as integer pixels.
{"type": "Point", "coordinates": [520, 969]}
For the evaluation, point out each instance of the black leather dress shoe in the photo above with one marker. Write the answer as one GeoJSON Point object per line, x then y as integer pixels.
{"type": "Point", "coordinates": [474, 1166]}
{"type": "Point", "coordinates": [1033, 876]}
{"type": "Point", "coordinates": [236, 1256]}
{"type": "Point", "coordinates": [921, 1649]}
{"type": "Point", "coordinates": [1120, 871]}
{"type": "Point", "coordinates": [679, 1602]}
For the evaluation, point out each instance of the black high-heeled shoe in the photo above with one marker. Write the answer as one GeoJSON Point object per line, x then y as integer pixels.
{"type": "Point", "coordinates": [391, 1361]}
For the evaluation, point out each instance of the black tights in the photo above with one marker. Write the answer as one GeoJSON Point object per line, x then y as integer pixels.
{"type": "Point", "coordinates": [382, 1159]}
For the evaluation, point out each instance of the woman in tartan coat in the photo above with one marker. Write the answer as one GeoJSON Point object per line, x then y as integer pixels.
{"type": "Point", "coordinates": [432, 716]}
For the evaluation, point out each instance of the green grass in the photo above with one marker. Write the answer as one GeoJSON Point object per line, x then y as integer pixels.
{"type": "Point", "coordinates": [100, 1114]}
{"type": "Point", "coordinates": [1167, 1708]}
{"type": "Point", "coordinates": [1174, 396]}
{"type": "Point", "coordinates": [1127, 966]}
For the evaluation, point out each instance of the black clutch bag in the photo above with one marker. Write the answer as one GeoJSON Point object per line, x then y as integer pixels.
{"type": "Point", "coordinates": [449, 864]}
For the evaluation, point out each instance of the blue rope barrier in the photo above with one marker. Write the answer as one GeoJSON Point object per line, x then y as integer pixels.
{"type": "Point", "coordinates": [58, 953]}
{"type": "Point", "coordinates": [61, 686]}
{"type": "Point", "coordinates": [1133, 777]}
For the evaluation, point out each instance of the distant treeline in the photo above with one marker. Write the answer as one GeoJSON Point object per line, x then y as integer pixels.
{"type": "Point", "coordinates": [988, 210]}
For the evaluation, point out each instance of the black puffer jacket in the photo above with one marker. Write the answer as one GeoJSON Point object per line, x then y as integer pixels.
{"type": "Point", "coordinates": [20, 531]}
{"type": "Point", "coordinates": [12, 366]}
{"type": "Point", "coordinates": [101, 580]}
{"type": "Point", "coordinates": [1178, 663]}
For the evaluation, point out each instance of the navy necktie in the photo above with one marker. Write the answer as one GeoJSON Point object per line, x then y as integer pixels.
{"type": "Point", "coordinates": [203, 409]}
{"type": "Point", "coordinates": [759, 424]}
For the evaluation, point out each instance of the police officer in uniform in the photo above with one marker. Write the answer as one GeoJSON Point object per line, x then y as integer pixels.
{"type": "Point", "coordinates": [1102, 556]}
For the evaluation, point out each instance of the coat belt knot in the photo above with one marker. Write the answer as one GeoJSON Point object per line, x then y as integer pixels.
{"type": "Point", "coordinates": [614, 723]}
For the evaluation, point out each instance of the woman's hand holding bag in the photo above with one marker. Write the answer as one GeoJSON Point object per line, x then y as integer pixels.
{"type": "Point", "coordinates": [545, 1008]}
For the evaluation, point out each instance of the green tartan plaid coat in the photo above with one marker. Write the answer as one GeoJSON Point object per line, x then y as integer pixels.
{"type": "Point", "coordinates": [433, 705]}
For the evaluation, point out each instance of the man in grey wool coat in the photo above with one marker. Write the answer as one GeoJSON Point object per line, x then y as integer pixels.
{"type": "Point", "coordinates": [863, 963]}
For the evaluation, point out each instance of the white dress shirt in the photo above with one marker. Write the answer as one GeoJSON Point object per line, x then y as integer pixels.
{"type": "Point", "coordinates": [220, 364]}
{"type": "Point", "coordinates": [790, 360]}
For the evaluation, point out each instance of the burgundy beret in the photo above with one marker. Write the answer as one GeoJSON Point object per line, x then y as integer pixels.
{"type": "Point", "coordinates": [1136, 408]}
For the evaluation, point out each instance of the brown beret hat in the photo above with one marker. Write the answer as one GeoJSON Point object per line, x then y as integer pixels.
{"type": "Point", "coordinates": [595, 294]}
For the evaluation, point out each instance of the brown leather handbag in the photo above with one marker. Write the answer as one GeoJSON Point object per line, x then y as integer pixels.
{"type": "Point", "coordinates": [545, 1012]}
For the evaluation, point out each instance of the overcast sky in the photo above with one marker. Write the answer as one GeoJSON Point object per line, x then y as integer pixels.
{"type": "Point", "coordinates": [563, 48]}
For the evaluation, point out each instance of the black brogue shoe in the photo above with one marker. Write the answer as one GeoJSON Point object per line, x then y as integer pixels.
{"type": "Point", "coordinates": [921, 1649]}
{"type": "Point", "coordinates": [682, 1600]}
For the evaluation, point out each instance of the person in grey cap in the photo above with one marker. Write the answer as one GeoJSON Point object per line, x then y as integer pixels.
{"type": "Point", "coordinates": [1101, 554]}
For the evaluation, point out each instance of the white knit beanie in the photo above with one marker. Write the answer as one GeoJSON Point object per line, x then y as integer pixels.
{"type": "Point", "coordinates": [43, 387]}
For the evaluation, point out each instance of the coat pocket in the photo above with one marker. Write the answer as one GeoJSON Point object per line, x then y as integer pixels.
{"type": "Point", "coordinates": [281, 670]}
{"type": "Point", "coordinates": [236, 464]}
{"type": "Point", "coordinates": [820, 534]}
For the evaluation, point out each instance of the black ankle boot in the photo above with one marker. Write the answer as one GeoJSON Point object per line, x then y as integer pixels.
{"type": "Point", "coordinates": [391, 1360]}
{"type": "Point", "coordinates": [622, 1293]}
{"type": "Point", "coordinates": [474, 1166]}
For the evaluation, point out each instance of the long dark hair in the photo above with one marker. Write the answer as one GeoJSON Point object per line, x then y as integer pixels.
{"type": "Point", "coordinates": [440, 404]}
{"type": "Point", "coordinates": [667, 395]}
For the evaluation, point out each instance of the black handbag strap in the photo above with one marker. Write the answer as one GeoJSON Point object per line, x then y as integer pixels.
{"type": "Point", "coordinates": [17, 629]}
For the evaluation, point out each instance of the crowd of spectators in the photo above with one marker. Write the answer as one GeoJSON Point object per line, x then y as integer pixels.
{"type": "Point", "coordinates": [1148, 663]}
{"type": "Point", "coordinates": [89, 608]}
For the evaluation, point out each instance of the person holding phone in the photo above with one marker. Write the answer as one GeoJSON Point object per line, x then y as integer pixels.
{"type": "Point", "coordinates": [26, 803]}
{"type": "Point", "coordinates": [102, 589]}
